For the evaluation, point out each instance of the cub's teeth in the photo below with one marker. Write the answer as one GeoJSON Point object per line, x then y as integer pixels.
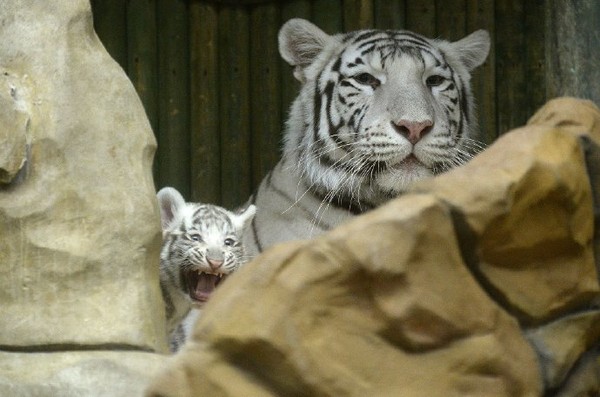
{"type": "Point", "coordinates": [201, 272]}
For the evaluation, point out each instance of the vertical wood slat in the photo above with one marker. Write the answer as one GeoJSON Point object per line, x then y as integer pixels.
{"type": "Point", "coordinates": [264, 87]}
{"type": "Point", "coordinates": [510, 74]}
{"type": "Point", "coordinates": [534, 32]}
{"type": "Point", "coordinates": [358, 14]}
{"type": "Point", "coordinates": [573, 49]}
{"type": "Point", "coordinates": [204, 104]}
{"type": "Point", "coordinates": [294, 9]}
{"type": "Point", "coordinates": [173, 156]}
{"type": "Point", "coordinates": [327, 15]}
{"type": "Point", "coordinates": [234, 105]}
{"type": "Point", "coordinates": [289, 85]}
{"type": "Point", "coordinates": [420, 17]}
{"type": "Point", "coordinates": [389, 14]}
{"type": "Point", "coordinates": [142, 54]}
{"type": "Point", "coordinates": [110, 23]}
{"type": "Point", "coordinates": [450, 19]}
{"type": "Point", "coordinates": [480, 15]}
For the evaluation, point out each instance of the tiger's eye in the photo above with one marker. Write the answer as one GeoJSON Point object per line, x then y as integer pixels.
{"type": "Point", "coordinates": [367, 79]}
{"type": "Point", "coordinates": [435, 80]}
{"type": "Point", "coordinates": [195, 237]}
{"type": "Point", "coordinates": [229, 242]}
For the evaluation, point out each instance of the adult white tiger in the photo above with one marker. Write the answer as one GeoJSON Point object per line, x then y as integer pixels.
{"type": "Point", "coordinates": [378, 110]}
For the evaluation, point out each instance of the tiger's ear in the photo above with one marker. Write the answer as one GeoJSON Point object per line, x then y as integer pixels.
{"type": "Point", "coordinates": [300, 42]}
{"type": "Point", "coordinates": [243, 219]}
{"type": "Point", "coordinates": [171, 202]}
{"type": "Point", "coordinates": [473, 49]}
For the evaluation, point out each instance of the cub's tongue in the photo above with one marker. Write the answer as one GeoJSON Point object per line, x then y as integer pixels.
{"type": "Point", "coordinates": [204, 287]}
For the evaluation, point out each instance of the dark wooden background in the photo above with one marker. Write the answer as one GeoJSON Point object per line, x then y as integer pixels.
{"type": "Point", "coordinates": [217, 93]}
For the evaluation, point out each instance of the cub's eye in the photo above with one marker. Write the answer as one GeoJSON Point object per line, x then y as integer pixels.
{"type": "Point", "coordinates": [195, 237]}
{"type": "Point", "coordinates": [367, 79]}
{"type": "Point", "coordinates": [229, 242]}
{"type": "Point", "coordinates": [435, 80]}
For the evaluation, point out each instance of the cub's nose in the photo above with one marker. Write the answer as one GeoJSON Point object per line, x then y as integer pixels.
{"type": "Point", "coordinates": [413, 130]}
{"type": "Point", "coordinates": [214, 263]}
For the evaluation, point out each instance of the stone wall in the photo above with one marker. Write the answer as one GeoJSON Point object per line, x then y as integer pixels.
{"type": "Point", "coordinates": [481, 282]}
{"type": "Point", "coordinates": [80, 306]}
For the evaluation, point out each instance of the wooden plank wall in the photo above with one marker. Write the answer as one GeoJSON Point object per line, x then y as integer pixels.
{"type": "Point", "coordinates": [217, 93]}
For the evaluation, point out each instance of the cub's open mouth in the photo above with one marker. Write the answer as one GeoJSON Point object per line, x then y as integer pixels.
{"type": "Point", "coordinates": [201, 284]}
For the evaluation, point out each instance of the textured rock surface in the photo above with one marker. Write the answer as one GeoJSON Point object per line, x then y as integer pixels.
{"type": "Point", "coordinates": [77, 374]}
{"type": "Point", "coordinates": [483, 282]}
{"type": "Point", "coordinates": [80, 231]}
{"type": "Point", "coordinates": [14, 117]}
{"type": "Point", "coordinates": [528, 203]}
{"type": "Point", "coordinates": [79, 225]}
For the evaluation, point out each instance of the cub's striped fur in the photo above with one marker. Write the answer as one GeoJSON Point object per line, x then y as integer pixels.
{"type": "Point", "coordinates": [202, 245]}
{"type": "Point", "coordinates": [377, 111]}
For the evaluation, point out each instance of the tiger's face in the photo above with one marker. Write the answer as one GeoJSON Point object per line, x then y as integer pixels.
{"type": "Point", "coordinates": [378, 110]}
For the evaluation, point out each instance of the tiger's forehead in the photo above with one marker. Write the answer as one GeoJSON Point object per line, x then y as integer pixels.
{"type": "Point", "coordinates": [386, 46]}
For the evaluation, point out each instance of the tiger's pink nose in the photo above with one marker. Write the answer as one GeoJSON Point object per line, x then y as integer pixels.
{"type": "Point", "coordinates": [413, 130]}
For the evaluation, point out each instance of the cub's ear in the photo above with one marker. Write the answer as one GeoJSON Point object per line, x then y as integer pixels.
{"type": "Point", "coordinates": [473, 49]}
{"type": "Point", "coordinates": [171, 203]}
{"type": "Point", "coordinates": [300, 42]}
{"type": "Point", "coordinates": [243, 219]}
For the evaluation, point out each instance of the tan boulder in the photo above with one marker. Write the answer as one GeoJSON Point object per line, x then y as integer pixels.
{"type": "Point", "coordinates": [527, 202]}
{"type": "Point", "coordinates": [579, 117]}
{"type": "Point", "coordinates": [80, 229]}
{"type": "Point", "coordinates": [80, 304]}
{"type": "Point", "coordinates": [481, 282]}
{"type": "Point", "coordinates": [563, 342]}
{"type": "Point", "coordinates": [77, 373]}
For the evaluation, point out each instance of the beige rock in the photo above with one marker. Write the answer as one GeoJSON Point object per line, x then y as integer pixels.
{"type": "Point", "coordinates": [563, 342]}
{"type": "Point", "coordinates": [528, 202]}
{"type": "Point", "coordinates": [14, 123]}
{"type": "Point", "coordinates": [570, 114]}
{"type": "Point", "coordinates": [79, 227]}
{"type": "Point", "coordinates": [77, 374]}
{"type": "Point", "coordinates": [482, 282]}
{"type": "Point", "coordinates": [584, 379]}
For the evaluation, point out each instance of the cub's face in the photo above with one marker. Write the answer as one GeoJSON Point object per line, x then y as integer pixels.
{"type": "Point", "coordinates": [206, 248]}
{"type": "Point", "coordinates": [202, 245]}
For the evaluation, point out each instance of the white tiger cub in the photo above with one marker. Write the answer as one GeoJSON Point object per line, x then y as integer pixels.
{"type": "Point", "coordinates": [202, 245]}
{"type": "Point", "coordinates": [377, 111]}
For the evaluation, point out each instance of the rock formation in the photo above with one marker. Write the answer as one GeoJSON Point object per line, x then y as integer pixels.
{"type": "Point", "coordinates": [80, 304]}
{"type": "Point", "coordinates": [481, 282]}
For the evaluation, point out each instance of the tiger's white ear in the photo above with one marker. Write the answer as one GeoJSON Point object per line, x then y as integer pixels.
{"type": "Point", "coordinates": [243, 220]}
{"type": "Point", "coordinates": [473, 49]}
{"type": "Point", "coordinates": [171, 203]}
{"type": "Point", "coordinates": [300, 42]}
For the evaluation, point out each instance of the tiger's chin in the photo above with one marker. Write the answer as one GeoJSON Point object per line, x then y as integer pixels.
{"type": "Point", "coordinates": [400, 177]}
